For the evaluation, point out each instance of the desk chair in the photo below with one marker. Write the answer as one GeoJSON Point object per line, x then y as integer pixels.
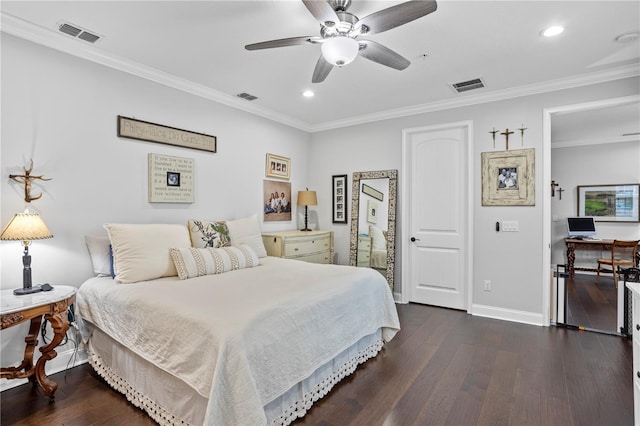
{"type": "Point", "coordinates": [623, 253]}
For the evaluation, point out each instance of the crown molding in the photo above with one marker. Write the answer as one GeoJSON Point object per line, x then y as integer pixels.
{"type": "Point", "coordinates": [496, 95]}
{"type": "Point", "coordinates": [20, 28]}
{"type": "Point", "coordinates": [594, 141]}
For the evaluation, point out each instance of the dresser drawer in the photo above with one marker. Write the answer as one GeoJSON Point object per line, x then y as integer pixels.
{"type": "Point", "coordinates": [322, 257]}
{"type": "Point", "coordinates": [301, 246]}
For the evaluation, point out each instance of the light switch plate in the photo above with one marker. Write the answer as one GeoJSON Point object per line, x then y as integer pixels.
{"type": "Point", "coordinates": [509, 226]}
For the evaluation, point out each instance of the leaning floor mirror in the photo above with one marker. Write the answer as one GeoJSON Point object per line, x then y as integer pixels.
{"type": "Point", "coordinates": [373, 221]}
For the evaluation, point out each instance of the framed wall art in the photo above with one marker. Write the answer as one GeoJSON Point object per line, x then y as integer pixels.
{"type": "Point", "coordinates": [170, 179]}
{"type": "Point", "coordinates": [508, 178]}
{"type": "Point", "coordinates": [609, 203]}
{"type": "Point", "coordinates": [151, 132]}
{"type": "Point", "coordinates": [339, 185]}
{"type": "Point", "coordinates": [278, 167]}
{"type": "Point", "coordinates": [372, 192]}
{"type": "Point", "coordinates": [277, 201]}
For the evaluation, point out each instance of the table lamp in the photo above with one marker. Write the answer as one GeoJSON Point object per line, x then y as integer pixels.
{"type": "Point", "coordinates": [307, 198]}
{"type": "Point", "coordinates": [26, 227]}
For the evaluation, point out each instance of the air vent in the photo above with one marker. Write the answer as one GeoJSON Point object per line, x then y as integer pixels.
{"type": "Point", "coordinates": [465, 86]}
{"type": "Point", "coordinates": [247, 96]}
{"type": "Point", "coordinates": [78, 32]}
{"type": "Point", "coordinates": [70, 30]}
{"type": "Point", "coordinates": [87, 36]}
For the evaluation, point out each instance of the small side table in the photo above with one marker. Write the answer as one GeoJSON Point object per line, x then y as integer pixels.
{"type": "Point", "coordinates": [53, 306]}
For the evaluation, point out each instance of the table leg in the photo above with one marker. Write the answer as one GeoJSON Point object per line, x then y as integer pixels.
{"type": "Point", "coordinates": [25, 369]}
{"type": "Point", "coordinates": [60, 325]}
{"type": "Point", "coordinates": [571, 258]}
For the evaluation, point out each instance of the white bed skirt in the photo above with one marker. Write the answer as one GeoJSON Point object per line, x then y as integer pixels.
{"type": "Point", "coordinates": [170, 401]}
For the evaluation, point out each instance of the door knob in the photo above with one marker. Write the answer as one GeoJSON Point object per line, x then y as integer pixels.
{"type": "Point", "coordinates": [414, 239]}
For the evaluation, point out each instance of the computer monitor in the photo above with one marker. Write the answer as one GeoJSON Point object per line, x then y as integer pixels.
{"type": "Point", "coordinates": [580, 227]}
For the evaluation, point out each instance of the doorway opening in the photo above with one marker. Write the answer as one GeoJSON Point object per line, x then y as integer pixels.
{"type": "Point", "coordinates": [579, 141]}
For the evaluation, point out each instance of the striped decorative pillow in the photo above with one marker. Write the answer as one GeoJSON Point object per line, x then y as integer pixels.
{"type": "Point", "coordinates": [196, 262]}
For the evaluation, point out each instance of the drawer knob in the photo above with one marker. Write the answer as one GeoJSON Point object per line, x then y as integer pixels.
{"type": "Point", "coordinates": [638, 374]}
{"type": "Point", "coordinates": [638, 327]}
{"type": "Point", "coordinates": [295, 249]}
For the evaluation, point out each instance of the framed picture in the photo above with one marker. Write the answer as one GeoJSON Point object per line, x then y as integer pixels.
{"type": "Point", "coordinates": [609, 203]}
{"type": "Point", "coordinates": [339, 185]}
{"type": "Point", "coordinates": [508, 178]}
{"type": "Point", "coordinates": [170, 179]}
{"type": "Point", "coordinates": [277, 201]}
{"type": "Point", "coordinates": [372, 211]}
{"type": "Point", "coordinates": [372, 192]}
{"type": "Point", "coordinates": [278, 167]}
{"type": "Point", "coordinates": [143, 130]}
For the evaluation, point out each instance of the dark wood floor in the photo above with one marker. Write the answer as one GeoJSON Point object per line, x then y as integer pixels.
{"type": "Point", "coordinates": [592, 303]}
{"type": "Point", "coordinates": [444, 367]}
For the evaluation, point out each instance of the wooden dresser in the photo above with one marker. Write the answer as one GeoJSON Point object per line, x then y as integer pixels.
{"type": "Point", "coordinates": [309, 246]}
{"type": "Point", "coordinates": [364, 251]}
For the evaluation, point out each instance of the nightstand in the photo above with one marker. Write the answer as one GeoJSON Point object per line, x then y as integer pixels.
{"type": "Point", "coordinates": [53, 306]}
{"type": "Point", "coordinates": [309, 246]}
{"type": "Point", "coordinates": [364, 251]}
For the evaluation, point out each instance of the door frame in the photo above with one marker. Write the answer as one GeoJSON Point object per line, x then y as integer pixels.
{"type": "Point", "coordinates": [405, 232]}
{"type": "Point", "coordinates": [547, 114]}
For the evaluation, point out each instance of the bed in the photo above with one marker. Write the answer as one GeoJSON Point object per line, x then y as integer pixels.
{"type": "Point", "coordinates": [257, 344]}
{"type": "Point", "coordinates": [378, 249]}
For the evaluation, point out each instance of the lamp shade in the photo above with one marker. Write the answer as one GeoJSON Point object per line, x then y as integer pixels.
{"type": "Point", "coordinates": [25, 227]}
{"type": "Point", "coordinates": [307, 198]}
{"type": "Point", "coordinates": [340, 50]}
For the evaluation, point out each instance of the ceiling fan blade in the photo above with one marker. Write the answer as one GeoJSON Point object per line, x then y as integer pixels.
{"type": "Point", "coordinates": [322, 11]}
{"type": "Point", "coordinates": [283, 42]}
{"type": "Point", "coordinates": [397, 15]}
{"type": "Point", "coordinates": [383, 55]}
{"type": "Point", "coordinates": [321, 71]}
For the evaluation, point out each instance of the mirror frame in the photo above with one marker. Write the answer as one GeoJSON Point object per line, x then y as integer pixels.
{"type": "Point", "coordinates": [391, 225]}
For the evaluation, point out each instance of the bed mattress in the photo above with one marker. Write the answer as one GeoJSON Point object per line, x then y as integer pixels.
{"type": "Point", "coordinates": [243, 339]}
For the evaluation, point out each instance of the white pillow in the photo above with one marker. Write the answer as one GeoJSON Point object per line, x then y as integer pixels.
{"type": "Point", "coordinates": [196, 262]}
{"type": "Point", "coordinates": [141, 252]}
{"type": "Point", "coordinates": [247, 231]}
{"type": "Point", "coordinates": [378, 241]}
{"type": "Point", "coordinates": [100, 254]}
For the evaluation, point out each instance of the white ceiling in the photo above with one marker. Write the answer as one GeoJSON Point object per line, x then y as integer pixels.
{"type": "Point", "coordinates": [200, 45]}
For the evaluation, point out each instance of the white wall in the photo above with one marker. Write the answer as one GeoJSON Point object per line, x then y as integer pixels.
{"type": "Point", "coordinates": [61, 111]}
{"type": "Point", "coordinates": [512, 261]}
{"type": "Point", "coordinates": [612, 163]}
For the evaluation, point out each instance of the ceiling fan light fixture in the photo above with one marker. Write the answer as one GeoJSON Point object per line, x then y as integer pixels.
{"type": "Point", "coordinates": [340, 50]}
{"type": "Point", "coordinates": [552, 31]}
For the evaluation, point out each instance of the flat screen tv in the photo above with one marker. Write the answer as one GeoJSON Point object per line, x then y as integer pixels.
{"type": "Point", "coordinates": [580, 227]}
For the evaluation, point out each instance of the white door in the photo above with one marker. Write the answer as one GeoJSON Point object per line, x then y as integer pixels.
{"type": "Point", "coordinates": [437, 211]}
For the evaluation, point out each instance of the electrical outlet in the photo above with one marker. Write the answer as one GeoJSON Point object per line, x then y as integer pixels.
{"type": "Point", "coordinates": [487, 285]}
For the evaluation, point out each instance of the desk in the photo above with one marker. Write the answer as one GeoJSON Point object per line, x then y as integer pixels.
{"type": "Point", "coordinates": [574, 244]}
{"type": "Point", "coordinates": [52, 305]}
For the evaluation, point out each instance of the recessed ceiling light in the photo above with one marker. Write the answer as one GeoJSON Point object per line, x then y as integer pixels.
{"type": "Point", "coordinates": [308, 94]}
{"type": "Point", "coordinates": [552, 31]}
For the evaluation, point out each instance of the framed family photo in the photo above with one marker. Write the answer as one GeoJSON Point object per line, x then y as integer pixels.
{"type": "Point", "coordinates": [339, 185]}
{"type": "Point", "coordinates": [508, 178]}
{"type": "Point", "coordinates": [278, 167]}
{"type": "Point", "coordinates": [609, 203]}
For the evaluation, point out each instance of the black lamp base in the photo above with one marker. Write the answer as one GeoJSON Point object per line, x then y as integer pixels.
{"type": "Point", "coordinates": [30, 290]}
{"type": "Point", "coordinates": [306, 229]}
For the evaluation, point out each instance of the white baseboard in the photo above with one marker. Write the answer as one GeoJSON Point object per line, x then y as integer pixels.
{"type": "Point", "coordinates": [60, 363]}
{"type": "Point", "coordinates": [507, 314]}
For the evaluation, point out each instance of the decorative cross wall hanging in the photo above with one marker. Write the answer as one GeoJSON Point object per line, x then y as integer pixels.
{"type": "Point", "coordinates": [26, 179]}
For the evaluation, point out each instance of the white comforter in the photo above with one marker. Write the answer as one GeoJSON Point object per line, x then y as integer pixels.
{"type": "Point", "coordinates": [244, 337]}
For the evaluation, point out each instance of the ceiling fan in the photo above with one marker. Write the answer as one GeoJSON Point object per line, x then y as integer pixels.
{"type": "Point", "coordinates": [340, 29]}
